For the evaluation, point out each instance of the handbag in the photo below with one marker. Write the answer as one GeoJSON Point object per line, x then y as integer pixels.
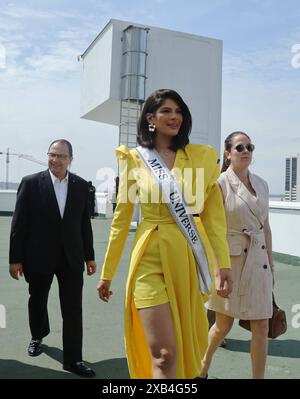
{"type": "Point", "coordinates": [277, 323]}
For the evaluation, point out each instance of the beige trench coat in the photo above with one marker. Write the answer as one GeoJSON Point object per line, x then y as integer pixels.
{"type": "Point", "coordinates": [251, 297]}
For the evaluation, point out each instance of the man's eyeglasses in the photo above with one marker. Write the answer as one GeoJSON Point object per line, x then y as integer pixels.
{"type": "Point", "coordinates": [241, 147]}
{"type": "Point", "coordinates": [58, 156]}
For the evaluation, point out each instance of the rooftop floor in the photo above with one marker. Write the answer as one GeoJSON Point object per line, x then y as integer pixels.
{"type": "Point", "coordinates": [103, 325]}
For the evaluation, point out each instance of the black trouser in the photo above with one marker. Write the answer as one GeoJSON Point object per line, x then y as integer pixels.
{"type": "Point", "coordinates": [70, 286]}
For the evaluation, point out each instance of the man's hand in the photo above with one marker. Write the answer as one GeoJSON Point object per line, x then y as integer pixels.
{"type": "Point", "coordinates": [91, 267]}
{"type": "Point", "coordinates": [223, 282]}
{"type": "Point", "coordinates": [104, 290]}
{"type": "Point", "coordinates": [16, 270]}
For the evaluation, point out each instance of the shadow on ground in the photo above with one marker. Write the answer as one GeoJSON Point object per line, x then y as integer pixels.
{"type": "Point", "coordinates": [108, 369]}
{"type": "Point", "coordinates": [282, 348]}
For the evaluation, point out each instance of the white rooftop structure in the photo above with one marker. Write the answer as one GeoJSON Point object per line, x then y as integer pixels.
{"type": "Point", "coordinates": [126, 62]}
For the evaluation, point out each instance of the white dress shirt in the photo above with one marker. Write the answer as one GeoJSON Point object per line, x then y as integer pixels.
{"type": "Point", "coordinates": [61, 191]}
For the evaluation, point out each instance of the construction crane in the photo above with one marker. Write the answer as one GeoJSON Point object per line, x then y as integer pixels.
{"type": "Point", "coordinates": [23, 156]}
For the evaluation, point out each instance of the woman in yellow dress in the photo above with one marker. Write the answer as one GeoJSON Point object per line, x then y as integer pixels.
{"type": "Point", "coordinates": [166, 328]}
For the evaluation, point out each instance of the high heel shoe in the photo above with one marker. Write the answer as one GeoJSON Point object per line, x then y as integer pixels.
{"type": "Point", "coordinates": [202, 378]}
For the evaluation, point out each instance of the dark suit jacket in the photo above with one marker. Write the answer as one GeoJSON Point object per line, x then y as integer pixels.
{"type": "Point", "coordinates": [39, 234]}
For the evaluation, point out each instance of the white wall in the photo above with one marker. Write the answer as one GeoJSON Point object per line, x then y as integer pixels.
{"type": "Point", "coordinates": [285, 226]}
{"type": "Point", "coordinates": [96, 75]}
{"type": "Point", "coordinates": [284, 219]}
{"type": "Point", "coordinates": [7, 200]}
{"type": "Point", "coordinates": [103, 205]}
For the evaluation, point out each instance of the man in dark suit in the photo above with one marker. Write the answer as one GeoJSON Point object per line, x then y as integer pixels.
{"type": "Point", "coordinates": [51, 235]}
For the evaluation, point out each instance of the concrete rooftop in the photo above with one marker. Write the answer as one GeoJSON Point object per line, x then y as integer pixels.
{"type": "Point", "coordinates": [103, 325]}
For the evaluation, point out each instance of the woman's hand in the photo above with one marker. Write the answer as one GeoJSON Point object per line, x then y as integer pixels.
{"type": "Point", "coordinates": [223, 282]}
{"type": "Point", "coordinates": [273, 277]}
{"type": "Point", "coordinates": [103, 290]}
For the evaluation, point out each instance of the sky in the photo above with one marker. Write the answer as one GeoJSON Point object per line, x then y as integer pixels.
{"type": "Point", "coordinates": [40, 76]}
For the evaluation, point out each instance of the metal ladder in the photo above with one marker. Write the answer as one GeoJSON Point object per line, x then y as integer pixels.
{"type": "Point", "coordinates": [130, 111]}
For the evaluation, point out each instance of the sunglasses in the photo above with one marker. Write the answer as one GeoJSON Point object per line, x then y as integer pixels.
{"type": "Point", "coordinates": [241, 147]}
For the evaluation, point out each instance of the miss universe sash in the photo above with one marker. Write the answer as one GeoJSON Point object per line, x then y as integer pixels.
{"type": "Point", "coordinates": [180, 211]}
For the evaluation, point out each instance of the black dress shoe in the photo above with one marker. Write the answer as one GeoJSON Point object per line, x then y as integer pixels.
{"type": "Point", "coordinates": [34, 348]}
{"type": "Point", "coordinates": [80, 368]}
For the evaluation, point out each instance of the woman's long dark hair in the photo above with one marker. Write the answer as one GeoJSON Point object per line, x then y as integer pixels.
{"type": "Point", "coordinates": [227, 147]}
{"type": "Point", "coordinates": [153, 102]}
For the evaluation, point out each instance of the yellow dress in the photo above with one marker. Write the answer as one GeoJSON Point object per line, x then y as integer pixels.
{"type": "Point", "coordinates": [176, 257]}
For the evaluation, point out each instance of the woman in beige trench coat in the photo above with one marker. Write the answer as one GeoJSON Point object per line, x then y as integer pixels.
{"type": "Point", "coordinates": [249, 237]}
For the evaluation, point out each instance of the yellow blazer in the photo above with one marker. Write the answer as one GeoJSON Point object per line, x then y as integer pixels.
{"type": "Point", "coordinates": [178, 264]}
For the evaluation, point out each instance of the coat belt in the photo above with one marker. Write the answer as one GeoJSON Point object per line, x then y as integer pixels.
{"type": "Point", "coordinates": [256, 237]}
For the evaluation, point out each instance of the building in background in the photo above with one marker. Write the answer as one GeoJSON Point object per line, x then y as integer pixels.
{"type": "Point", "coordinates": [126, 62]}
{"type": "Point", "coordinates": [292, 178]}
